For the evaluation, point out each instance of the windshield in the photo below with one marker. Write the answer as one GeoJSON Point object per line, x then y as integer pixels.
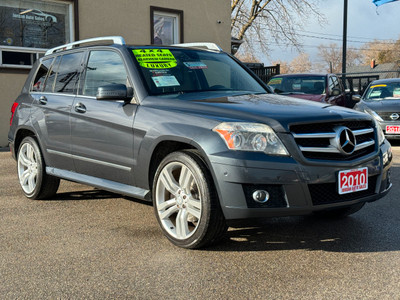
{"type": "Point", "coordinates": [171, 71]}
{"type": "Point", "coordinates": [314, 85]}
{"type": "Point", "coordinates": [377, 92]}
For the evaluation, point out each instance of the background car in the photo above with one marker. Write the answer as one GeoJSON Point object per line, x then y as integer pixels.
{"type": "Point", "coordinates": [382, 101]}
{"type": "Point", "coordinates": [316, 87]}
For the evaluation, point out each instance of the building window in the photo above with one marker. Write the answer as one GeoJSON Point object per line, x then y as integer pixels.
{"type": "Point", "coordinates": [166, 26]}
{"type": "Point", "coordinates": [28, 28]}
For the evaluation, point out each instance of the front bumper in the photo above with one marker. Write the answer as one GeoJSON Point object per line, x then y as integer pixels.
{"type": "Point", "coordinates": [294, 188]}
{"type": "Point", "coordinates": [390, 136]}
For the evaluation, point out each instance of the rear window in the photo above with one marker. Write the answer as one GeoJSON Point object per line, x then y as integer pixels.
{"type": "Point", "coordinates": [170, 71]}
{"type": "Point", "coordinates": [40, 78]}
{"type": "Point", "coordinates": [314, 85]}
{"type": "Point", "coordinates": [68, 73]}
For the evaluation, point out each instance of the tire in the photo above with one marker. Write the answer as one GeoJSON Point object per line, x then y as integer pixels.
{"type": "Point", "coordinates": [185, 201]}
{"type": "Point", "coordinates": [34, 181]}
{"type": "Point", "coordinates": [339, 213]}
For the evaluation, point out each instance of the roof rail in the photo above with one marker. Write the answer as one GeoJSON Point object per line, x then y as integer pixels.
{"type": "Point", "coordinates": [115, 39]}
{"type": "Point", "coordinates": [209, 46]}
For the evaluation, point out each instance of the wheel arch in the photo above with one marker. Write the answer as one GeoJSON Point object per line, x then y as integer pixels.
{"type": "Point", "coordinates": [20, 135]}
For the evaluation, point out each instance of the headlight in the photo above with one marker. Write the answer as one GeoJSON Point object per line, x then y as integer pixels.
{"type": "Point", "coordinates": [251, 137]}
{"type": "Point", "coordinates": [381, 135]}
{"type": "Point", "coordinates": [374, 114]}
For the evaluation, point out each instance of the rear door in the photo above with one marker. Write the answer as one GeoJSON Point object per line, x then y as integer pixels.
{"type": "Point", "coordinates": [101, 131]}
{"type": "Point", "coordinates": [53, 98]}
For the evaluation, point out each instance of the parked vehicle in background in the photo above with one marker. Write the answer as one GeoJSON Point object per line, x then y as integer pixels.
{"type": "Point", "coordinates": [326, 88]}
{"type": "Point", "coordinates": [381, 100]}
{"type": "Point", "coordinates": [194, 132]}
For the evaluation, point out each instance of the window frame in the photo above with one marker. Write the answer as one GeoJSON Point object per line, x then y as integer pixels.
{"type": "Point", "coordinates": [82, 78]}
{"type": "Point", "coordinates": [37, 53]}
{"type": "Point", "coordinates": [167, 12]}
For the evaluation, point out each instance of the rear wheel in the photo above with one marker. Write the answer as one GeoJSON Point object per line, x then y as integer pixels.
{"type": "Point", "coordinates": [340, 213]}
{"type": "Point", "coordinates": [34, 181]}
{"type": "Point", "coordinates": [185, 201]}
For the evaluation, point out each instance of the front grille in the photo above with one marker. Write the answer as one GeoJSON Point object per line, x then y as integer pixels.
{"type": "Point", "coordinates": [317, 141]}
{"type": "Point", "coordinates": [275, 191]}
{"type": "Point", "coordinates": [327, 193]}
{"type": "Point", "coordinates": [386, 116]}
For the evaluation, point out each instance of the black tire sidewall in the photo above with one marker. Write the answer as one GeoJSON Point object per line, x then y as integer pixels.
{"type": "Point", "coordinates": [197, 168]}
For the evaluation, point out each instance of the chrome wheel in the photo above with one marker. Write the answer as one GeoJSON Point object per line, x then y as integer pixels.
{"type": "Point", "coordinates": [178, 200]}
{"type": "Point", "coordinates": [27, 168]}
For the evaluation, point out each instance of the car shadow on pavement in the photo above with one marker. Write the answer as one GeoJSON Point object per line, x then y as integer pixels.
{"type": "Point", "coordinates": [85, 195]}
{"type": "Point", "coordinates": [353, 234]}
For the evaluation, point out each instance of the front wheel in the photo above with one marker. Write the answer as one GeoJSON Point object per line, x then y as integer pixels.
{"type": "Point", "coordinates": [34, 181]}
{"type": "Point", "coordinates": [185, 201]}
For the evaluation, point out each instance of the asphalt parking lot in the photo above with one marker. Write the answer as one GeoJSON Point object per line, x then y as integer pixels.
{"type": "Point", "coordinates": [91, 244]}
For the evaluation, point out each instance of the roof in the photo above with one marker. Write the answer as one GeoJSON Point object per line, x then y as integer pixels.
{"type": "Point", "coordinates": [301, 74]}
{"type": "Point", "coordinates": [388, 80]}
{"type": "Point", "coordinates": [387, 70]}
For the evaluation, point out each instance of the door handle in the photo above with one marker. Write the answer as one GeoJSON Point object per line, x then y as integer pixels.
{"type": "Point", "coordinates": [43, 100]}
{"type": "Point", "coordinates": [80, 108]}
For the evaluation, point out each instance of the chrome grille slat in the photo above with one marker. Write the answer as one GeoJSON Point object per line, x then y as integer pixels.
{"type": "Point", "coordinates": [323, 144]}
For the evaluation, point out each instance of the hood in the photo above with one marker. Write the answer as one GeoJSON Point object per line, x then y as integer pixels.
{"type": "Point", "coordinates": [271, 109]}
{"type": "Point", "coordinates": [384, 105]}
{"type": "Point", "coordinates": [317, 98]}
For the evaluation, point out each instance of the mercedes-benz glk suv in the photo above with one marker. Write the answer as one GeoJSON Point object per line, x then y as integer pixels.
{"type": "Point", "coordinates": [193, 131]}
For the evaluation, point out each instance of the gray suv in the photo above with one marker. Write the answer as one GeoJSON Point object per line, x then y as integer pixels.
{"type": "Point", "coordinates": [191, 129]}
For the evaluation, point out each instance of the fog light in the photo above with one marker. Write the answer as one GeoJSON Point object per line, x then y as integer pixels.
{"type": "Point", "coordinates": [260, 196]}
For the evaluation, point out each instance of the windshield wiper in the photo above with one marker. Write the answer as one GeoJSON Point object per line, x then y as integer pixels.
{"type": "Point", "coordinates": [292, 93]}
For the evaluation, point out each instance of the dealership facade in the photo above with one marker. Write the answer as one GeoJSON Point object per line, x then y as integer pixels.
{"type": "Point", "coordinates": [29, 28]}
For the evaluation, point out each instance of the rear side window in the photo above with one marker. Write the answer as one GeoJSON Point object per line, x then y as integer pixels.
{"type": "Point", "coordinates": [52, 75]}
{"type": "Point", "coordinates": [41, 74]}
{"type": "Point", "coordinates": [103, 68]}
{"type": "Point", "coordinates": [68, 73]}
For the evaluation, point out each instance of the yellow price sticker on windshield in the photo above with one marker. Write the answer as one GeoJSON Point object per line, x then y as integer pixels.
{"type": "Point", "coordinates": [275, 81]}
{"type": "Point", "coordinates": [155, 58]}
{"type": "Point", "coordinates": [378, 85]}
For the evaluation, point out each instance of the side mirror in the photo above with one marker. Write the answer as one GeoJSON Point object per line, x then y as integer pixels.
{"type": "Point", "coordinates": [336, 92]}
{"type": "Point", "coordinates": [356, 98]}
{"type": "Point", "coordinates": [114, 92]}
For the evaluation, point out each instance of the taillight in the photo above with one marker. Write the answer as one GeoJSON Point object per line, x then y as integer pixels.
{"type": "Point", "coordinates": [13, 108]}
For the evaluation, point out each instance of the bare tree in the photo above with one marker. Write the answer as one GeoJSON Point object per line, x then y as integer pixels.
{"type": "Point", "coordinates": [301, 63]}
{"type": "Point", "coordinates": [247, 57]}
{"type": "Point", "coordinates": [262, 22]}
{"type": "Point", "coordinates": [331, 58]}
{"type": "Point", "coordinates": [381, 51]}
{"type": "Point", "coordinates": [285, 67]}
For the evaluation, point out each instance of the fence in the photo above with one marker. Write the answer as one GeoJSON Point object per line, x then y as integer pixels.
{"type": "Point", "coordinates": [264, 73]}
{"type": "Point", "coordinates": [358, 82]}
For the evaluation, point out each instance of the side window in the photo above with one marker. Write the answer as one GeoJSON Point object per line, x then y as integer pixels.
{"type": "Point", "coordinates": [41, 74]}
{"type": "Point", "coordinates": [336, 84]}
{"type": "Point", "coordinates": [103, 68]}
{"type": "Point", "coordinates": [52, 75]}
{"type": "Point", "coordinates": [331, 84]}
{"type": "Point", "coordinates": [68, 73]}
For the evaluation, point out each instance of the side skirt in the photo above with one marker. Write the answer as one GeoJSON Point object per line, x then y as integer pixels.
{"type": "Point", "coordinates": [104, 184]}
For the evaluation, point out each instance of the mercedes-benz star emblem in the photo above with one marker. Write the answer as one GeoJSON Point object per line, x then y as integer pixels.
{"type": "Point", "coordinates": [394, 116]}
{"type": "Point", "coordinates": [345, 140]}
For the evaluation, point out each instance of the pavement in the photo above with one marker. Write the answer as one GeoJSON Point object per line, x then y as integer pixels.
{"type": "Point", "coordinates": [90, 244]}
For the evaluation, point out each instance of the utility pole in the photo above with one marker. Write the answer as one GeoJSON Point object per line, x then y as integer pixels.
{"type": "Point", "coordinates": [344, 44]}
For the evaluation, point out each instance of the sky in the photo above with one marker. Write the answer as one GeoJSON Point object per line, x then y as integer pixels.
{"type": "Point", "coordinates": [365, 22]}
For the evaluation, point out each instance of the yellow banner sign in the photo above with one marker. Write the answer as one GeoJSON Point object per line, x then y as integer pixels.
{"type": "Point", "coordinates": [155, 58]}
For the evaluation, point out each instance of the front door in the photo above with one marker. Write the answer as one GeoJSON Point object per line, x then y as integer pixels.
{"type": "Point", "coordinates": [101, 131]}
